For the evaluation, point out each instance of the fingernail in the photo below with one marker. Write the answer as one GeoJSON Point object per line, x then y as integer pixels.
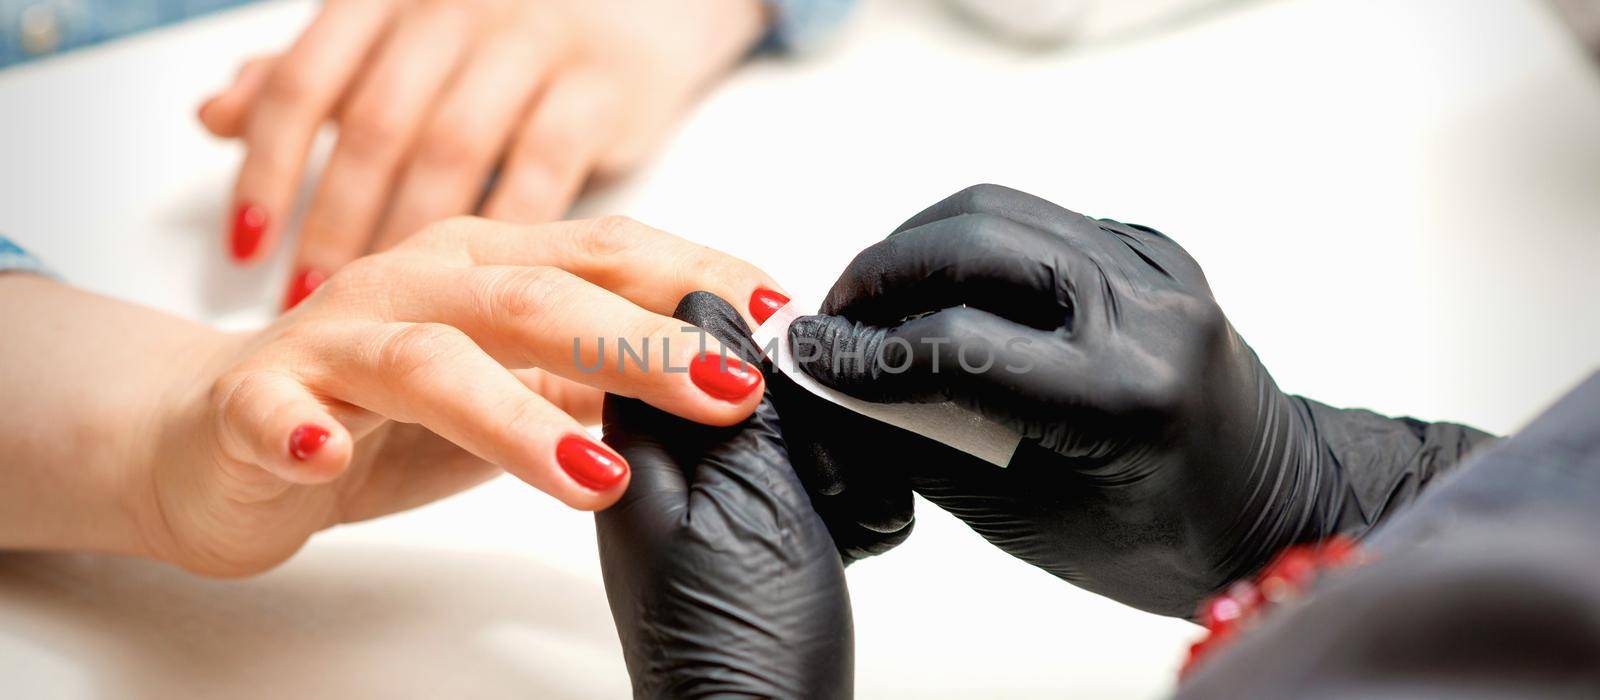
{"type": "Point", "coordinates": [764, 303]}
{"type": "Point", "coordinates": [592, 466]}
{"type": "Point", "coordinates": [249, 223]}
{"type": "Point", "coordinates": [301, 286]}
{"type": "Point", "coordinates": [723, 376]}
{"type": "Point", "coordinates": [306, 440]}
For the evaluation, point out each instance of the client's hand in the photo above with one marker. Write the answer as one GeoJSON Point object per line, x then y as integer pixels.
{"type": "Point", "coordinates": [412, 374]}
{"type": "Point", "coordinates": [433, 97]}
{"type": "Point", "coordinates": [722, 580]}
{"type": "Point", "coordinates": [1159, 460]}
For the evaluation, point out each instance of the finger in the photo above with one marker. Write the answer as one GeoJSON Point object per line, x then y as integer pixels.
{"type": "Point", "coordinates": [853, 462]}
{"type": "Point", "coordinates": [979, 360]}
{"type": "Point", "coordinates": [650, 268]}
{"type": "Point", "coordinates": [226, 114]}
{"type": "Point", "coordinates": [434, 375]}
{"type": "Point", "coordinates": [271, 420]}
{"type": "Point", "coordinates": [1138, 245]}
{"type": "Point", "coordinates": [384, 115]}
{"type": "Point", "coordinates": [412, 467]}
{"type": "Point", "coordinates": [998, 200]}
{"type": "Point", "coordinates": [746, 469]}
{"type": "Point", "coordinates": [297, 97]}
{"type": "Point", "coordinates": [754, 469]}
{"type": "Point", "coordinates": [547, 318]}
{"type": "Point", "coordinates": [553, 154]}
{"type": "Point", "coordinates": [982, 260]}
{"type": "Point", "coordinates": [464, 138]}
{"type": "Point", "coordinates": [580, 401]}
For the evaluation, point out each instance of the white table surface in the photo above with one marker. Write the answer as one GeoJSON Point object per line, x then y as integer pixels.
{"type": "Point", "coordinates": [1397, 202]}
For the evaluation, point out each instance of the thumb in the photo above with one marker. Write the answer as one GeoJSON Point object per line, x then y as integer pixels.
{"type": "Point", "coordinates": [271, 420]}
{"type": "Point", "coordinates": [851, 357]}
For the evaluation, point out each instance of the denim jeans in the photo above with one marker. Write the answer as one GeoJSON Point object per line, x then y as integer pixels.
{"type": "Point", "coordinates": [35, 28]}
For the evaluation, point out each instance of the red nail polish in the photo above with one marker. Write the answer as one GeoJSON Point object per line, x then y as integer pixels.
{"type": "Point", "coordinates": [306, 440]}
{"type": "Point", "coordinates": [764, 303]}
{"type": "Point", "coordinates": [592, 466]}
{"type": "Point", "coordinates": [249, 225]}
{"type": "Point", "coordinates": [723, 376]}
{"type": "Point", "coordinates": [301, 286]}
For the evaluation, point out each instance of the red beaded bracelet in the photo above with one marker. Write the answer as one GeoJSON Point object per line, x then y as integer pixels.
{"type": "Point", "coordinates": [1242, 605]}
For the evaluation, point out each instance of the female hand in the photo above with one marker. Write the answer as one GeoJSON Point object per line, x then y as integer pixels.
{"type": "Point", "coordinates": [410, 375]}
{"type": "Point", "coordinates": [430, 96]}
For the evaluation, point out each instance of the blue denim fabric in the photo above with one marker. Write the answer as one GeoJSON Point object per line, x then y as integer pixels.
{"type": "Point", "coordinates": [36, 28]}
{"type": "Point", "coordinates": [799, 24]}
{"type": "Point", "coordinates": [15, 259]}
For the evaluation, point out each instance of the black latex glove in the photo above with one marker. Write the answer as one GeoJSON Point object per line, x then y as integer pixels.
{"type": "Point", "coordinates": [1159, 460]}
{"type": "Point", "coordinates": [721, 577]}
{"type": "Point", "coordinates": [867, 510]}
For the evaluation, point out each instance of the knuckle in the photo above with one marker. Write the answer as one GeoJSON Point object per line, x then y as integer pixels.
{"type": "Point", "coordinates": [359, 276]}
{"type": "Point", "coordinates": [453, 147]}
{"type": "Point", "coordinates": [1200, 314]}
{"type": "Point", "coordinates": [292, 83]}
{"type": "Point", "coordinates": [519, 294]}
{"type": "Point", "coordinates": [1154, 386]}
{"type": "Point", "coordinates": [723, 273]}
{"type": "Point", "coordinates": [414, 349]}
{"type": "Point", "coordinates": [440, 234]}
{"type": "Point", "coordinates": [369, 134]}
{"type": "Point", "coordinates": [231, 393]}
{"type": "Point", "coordinates": [981, 231]}
{"type": "Point", "coordinates": [611, 235]}
{"type": "Point", "coordinates": [523, 418]}
{"type": "Point", "coordinates": [949, 323]}
{"type": "Point", "coordinates": [980, 197]}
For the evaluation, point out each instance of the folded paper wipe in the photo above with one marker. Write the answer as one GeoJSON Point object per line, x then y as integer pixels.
{"type": "Point", "coordinates": [944, 422]}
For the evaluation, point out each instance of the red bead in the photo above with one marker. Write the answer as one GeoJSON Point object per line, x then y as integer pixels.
{"type": "Point", "coordinates": [1337, 551]}
{"type": "Point", "coordinates": [1222, 613]}
{"type": "Point", "coordinates": [1247, 595]}
{"type": "Point", "coordinates": [1289, 574]}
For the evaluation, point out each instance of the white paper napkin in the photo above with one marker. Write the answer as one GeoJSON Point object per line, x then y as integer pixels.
{"type": "Point", "coordinates": [945, 422]}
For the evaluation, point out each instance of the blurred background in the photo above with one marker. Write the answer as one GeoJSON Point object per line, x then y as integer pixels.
{"type": "Point", "coordinates": [1396, 201]}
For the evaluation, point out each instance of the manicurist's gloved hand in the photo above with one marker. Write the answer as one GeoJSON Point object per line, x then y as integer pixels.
{"type": "Point", "coordinates": [1160, 461]}
{"type": "Point", "coordinates": [722, 579]}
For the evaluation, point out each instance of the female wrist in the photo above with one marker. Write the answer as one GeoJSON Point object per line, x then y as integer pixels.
{"type": "Point", "coordinates": [171, 441]}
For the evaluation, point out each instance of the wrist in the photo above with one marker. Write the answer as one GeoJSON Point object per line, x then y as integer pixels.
{"type": "Point", "coordinates": [78, 413]}
{"type": "Point", "coordinates": [171, 447]}
{"type": "Point", "coordinates": [1374, 465]}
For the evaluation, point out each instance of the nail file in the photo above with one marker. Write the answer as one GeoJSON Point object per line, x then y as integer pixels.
{"type": "Point", "coordinates": [943, 422]}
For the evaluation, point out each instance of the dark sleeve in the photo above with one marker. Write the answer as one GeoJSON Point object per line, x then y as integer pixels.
{"type": "Point", "coordinates": [1484, 587]}
{"type": "Point", "coordinates": [1375, 465]}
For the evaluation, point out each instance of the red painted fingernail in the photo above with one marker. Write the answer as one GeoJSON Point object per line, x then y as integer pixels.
{"type": "Point", "coordinates": [764, 303]}
{"type": "Point", "coordinates": [301, 286]}
{"type": "Point", "coordinates": [592, 466]}
{"type": "Point", "coordinates": [306, 440]}
{"type": "Point", "coordinates": [249, 224]}
{"type": "Point", "coordinates": [723, 376]}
